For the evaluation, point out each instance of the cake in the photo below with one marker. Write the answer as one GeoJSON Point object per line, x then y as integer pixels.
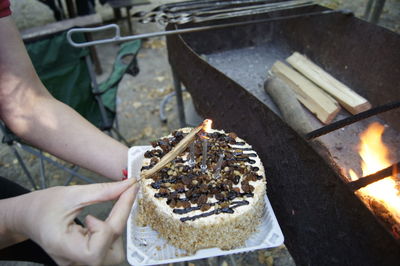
{"type": "Point", "coordinates": [194, 207]}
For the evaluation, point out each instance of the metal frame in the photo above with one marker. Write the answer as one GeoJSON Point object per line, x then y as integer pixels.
{"type": "Point", "coordinates": [374, 10]}
{"type": "Point", "coordinates": [177, 84]}
{"type": "Point", "coordinates": [118, 38]}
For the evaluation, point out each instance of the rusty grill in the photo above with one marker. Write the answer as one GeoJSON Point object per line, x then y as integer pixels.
{"type": "Point", "coordinates": [323, 220]}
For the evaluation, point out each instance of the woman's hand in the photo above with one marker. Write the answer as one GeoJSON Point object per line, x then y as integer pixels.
{"type": "Point", "coordinates": [47, 217]}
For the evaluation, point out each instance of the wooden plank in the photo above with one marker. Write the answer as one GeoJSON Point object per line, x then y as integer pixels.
{"type": "Point", "coordinates": [310, 95]}
{"type": "Point", "coordinates": [349, 99]}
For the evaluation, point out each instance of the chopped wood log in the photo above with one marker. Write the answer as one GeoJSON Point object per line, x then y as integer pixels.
{"type": "Point", "coordinates": [349, 99]}
{"type": "Point", "coordinates": [311, 96]}
{"type": "Point", "coordinates": [285, 99]}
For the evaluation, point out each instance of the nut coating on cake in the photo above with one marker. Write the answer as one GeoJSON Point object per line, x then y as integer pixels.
{"type": "Point", "coordinates": [194, 208]}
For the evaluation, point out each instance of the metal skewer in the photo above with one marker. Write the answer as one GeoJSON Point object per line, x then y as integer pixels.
{"type": "Point", "coordinates": [118, 38]}
{"type": "Point", "coordinates": [216, 14]}
{"type": "Point", "coordinates": [220, 11]}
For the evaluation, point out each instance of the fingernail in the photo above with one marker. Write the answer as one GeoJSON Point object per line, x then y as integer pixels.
{"type": "Point", "coordinates": [125, 173]}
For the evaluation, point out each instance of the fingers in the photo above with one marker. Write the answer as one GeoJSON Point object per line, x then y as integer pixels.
{"type": "Point", "coordinates": [120, 212]}
{"type": "Point", "coordinates": [85, 195]}
{"type": "Point", "coordinates": [115, 253]}
{"type": "Point", "coordinates": [101, 236]}
{"type": "Point", "coordinates": [98, 246]}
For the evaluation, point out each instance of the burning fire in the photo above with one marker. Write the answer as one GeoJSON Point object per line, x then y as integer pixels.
{"type": "Point", "coordinates": [375, 157]}
{"type": "Point", "coordinates": [207, 125]}
{"type": "Point", "coordinates": [206, 128]}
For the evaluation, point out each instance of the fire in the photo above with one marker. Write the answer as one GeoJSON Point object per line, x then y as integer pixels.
{"type": "Point", "coordinates": [206, 128]}
{"type": "Point", "coordinates": [374, 154]}
{"type": "Point", "coordinates": [375, 157]}
{"type": "Point", "coordinates": [207, 125]}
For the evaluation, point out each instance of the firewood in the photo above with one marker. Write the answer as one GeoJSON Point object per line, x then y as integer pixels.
{"type": "Point", "coordinates": [285, 99]}
{"type": "Point", "coordinates": [312, 97]}
{"type": "Point", "coordinates": [349, 99]}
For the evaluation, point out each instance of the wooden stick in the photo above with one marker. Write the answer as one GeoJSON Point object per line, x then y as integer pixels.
{"type": "Point", "coordinates": [310, 95]}
{"type": "Point", "coordinates": [285, 99]}
{"type": "Point", "coordinates": [350, 100]}
{"type": "Point", "coordinates": [179, 148]}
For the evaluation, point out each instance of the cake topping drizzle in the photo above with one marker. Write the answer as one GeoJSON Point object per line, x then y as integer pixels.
{"type": "Point", "coordinates": [216, 211]}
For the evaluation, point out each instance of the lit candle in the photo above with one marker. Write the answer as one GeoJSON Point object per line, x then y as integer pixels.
{"type": "Point", "coordinates": [192, 162]}
{"type": "Point", "coordinates": [217, 172]}
{"type": "Point", "coordinates": [204, 159]}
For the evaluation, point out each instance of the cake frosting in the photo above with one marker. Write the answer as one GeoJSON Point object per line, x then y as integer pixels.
{"type": "Point", "coordinates": [195, 208]}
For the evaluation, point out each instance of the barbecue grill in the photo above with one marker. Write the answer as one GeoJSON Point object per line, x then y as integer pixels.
{"type": "Point", "coordinates": [323, 221]}
{"type": "Point", "coordinates": [223, 62]}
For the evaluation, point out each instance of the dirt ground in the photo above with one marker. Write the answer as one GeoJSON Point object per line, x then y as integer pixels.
{"type": "Point", "coordinates": [139, 107]}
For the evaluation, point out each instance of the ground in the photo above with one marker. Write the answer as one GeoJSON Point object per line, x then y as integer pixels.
{"type": "Point", "coordinates": [138, 106]}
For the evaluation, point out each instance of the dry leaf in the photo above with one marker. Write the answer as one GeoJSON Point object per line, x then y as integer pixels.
{"type": "Point", "coordinates": [147, 131]}
{"type": "Point", "coordinates": [160, 78]}
{"type": "Point", "coordinates": [136, 105]}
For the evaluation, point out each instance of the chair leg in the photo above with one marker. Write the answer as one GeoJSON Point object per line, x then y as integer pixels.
{"type": "Point", "coordinates": [164, 102]}
{"type": "Point", "coordinates": [24, 168]}
{"type": "Point", "coordinates": [43, 183]}
{"type": "Point", "coordinates": [74, 168]}
{"type": "Point", "coordinates": [56, 164]}
{"type": "Point", "coordinates": [179, 99]}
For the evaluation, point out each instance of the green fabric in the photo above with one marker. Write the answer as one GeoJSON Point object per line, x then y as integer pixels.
{"type": "Point", "coordinates": [63, 70]}
{"type": "Point", "coordinates": [109, 87]}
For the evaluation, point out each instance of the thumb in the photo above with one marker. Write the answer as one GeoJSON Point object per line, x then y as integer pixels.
{"type": "Point", "coordinates": [84, 195]}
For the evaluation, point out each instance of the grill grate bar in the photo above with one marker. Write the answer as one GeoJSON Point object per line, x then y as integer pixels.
{"type": "Point", "coordinates": [352, 119]}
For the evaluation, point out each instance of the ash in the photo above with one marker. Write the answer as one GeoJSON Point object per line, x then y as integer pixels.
{"type": "Point", "coordinates": [249, 67]}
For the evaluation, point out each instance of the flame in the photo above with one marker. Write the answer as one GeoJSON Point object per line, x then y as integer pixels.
{"type": "Point", "coordinates": [206, 128]}
{"type": "Point", "coordinates": [375, 157]}
{"type": "Point", "coordinates": [373, 152]}
{"type": "Point", "coordinates": [353, 175]}
{"type": "Point", "coordinates": [207, 125]}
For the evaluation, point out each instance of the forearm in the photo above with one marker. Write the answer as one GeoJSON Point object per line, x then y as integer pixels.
{"type": "Point", "coordinates": [58, 129]}
{"type": "Point", "coordinates": [32, 113]}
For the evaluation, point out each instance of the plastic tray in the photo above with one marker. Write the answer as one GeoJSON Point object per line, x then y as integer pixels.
{"type": "Point", "coordinates": [145, 247]}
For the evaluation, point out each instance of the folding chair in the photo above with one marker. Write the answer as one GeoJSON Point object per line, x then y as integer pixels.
{"type": "Point", "coordinates": [68, 74]}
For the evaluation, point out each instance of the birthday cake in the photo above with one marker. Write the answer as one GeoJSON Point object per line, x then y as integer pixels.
{"type": "Point", "coordinates": [210, 195]}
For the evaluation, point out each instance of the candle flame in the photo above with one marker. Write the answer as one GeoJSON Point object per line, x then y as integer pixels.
{"type": "Point", "coordinates": [375, 157]}
{"type": "Point", "coordinates": [207, 125]}
{"type": "Point", "coordinates": [206, 128]}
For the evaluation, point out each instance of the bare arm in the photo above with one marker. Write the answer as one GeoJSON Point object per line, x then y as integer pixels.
{"type": "Point", "coordinates": [33, 114]}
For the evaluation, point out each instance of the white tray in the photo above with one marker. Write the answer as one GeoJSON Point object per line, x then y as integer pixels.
{"type": "Point", "coordinates": [145, 247]}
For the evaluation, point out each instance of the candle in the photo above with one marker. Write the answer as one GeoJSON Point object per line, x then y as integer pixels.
{"type": "Point", "coordinates": [217, 172]}
{"type": "Point", "coordinates": [192, 162]}
{"type": "Point", "coordinates": [204, 159]}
